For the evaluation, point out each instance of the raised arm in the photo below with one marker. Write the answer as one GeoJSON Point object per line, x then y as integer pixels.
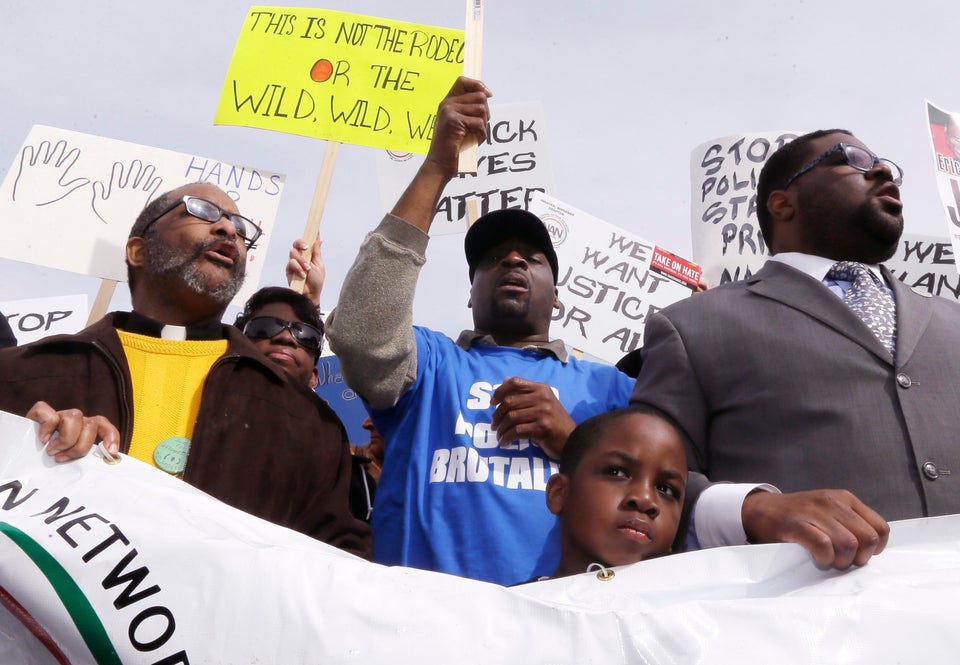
{"type": "Point", "coordinates": [462, 113]}
{"type": "Point", "coordinates": [371, 328]}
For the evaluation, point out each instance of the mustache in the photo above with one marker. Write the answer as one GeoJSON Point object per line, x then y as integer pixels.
{"type": "Point", "coordinates": [201, 247]}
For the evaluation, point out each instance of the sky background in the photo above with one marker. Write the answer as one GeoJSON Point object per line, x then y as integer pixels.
{"type": "Point", "coordinates": [629, 88]}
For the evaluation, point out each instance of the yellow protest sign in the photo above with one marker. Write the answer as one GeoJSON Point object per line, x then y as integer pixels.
{"type": "Point", "coordinates": [341, 77]}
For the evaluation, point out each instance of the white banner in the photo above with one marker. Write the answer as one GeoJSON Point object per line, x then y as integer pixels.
{"type": "Point", "coordinates": [606, 285]}
{"type": "Point", "coordinates": [512, 166]}
{"type": "Point", "coordinates": [85, 192]}
{"type": "Point", "coordinates": [124, 564]}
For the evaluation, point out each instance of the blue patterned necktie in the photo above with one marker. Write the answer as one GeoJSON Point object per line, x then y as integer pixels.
{"type": "Point", "coordinates": [869, 300]}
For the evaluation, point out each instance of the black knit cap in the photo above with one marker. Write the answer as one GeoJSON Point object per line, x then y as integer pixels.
{"type": "Point", "coordinates": [511, 224]}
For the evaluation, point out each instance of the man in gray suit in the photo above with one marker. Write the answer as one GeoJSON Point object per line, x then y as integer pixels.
{"type": "Point", "coordinates": [775, 378]}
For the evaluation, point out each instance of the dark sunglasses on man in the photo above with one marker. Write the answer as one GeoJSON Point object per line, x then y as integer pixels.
{"type": "Point", "coordinates": [211, 212]}
{"type": "Point", "coordinates": [268, 327]}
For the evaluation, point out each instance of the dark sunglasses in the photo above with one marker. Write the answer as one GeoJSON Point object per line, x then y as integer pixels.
{"type": "Point", "coordinates": [268, 327]}
{"type": "Point", "coordinates": [211, 212]}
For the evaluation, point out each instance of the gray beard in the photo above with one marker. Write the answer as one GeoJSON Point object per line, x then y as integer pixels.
{"type": "Point", "coordinates": [171, 262]}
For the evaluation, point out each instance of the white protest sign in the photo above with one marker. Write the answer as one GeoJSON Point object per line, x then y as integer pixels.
{"type": "Point", "coordinates": [606, 285]}
{"type": "Point", "coordinates": [513, 165]}
{"type": "Point", "coordinates": [37, 318]}
{"type": "Point", "coordinates": [69, 199]}
{"type": "Point", "coordinates": [945, 141]}
{"type": "Point", "coordinates": [723, 199]}
{"type": "Point", "coordinates": [126, 564]}
{"type": "Point", "coordinates": [926, 263]}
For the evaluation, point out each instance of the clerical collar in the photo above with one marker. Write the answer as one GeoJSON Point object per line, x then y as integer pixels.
{"type": "Point", "coordinates": [144, 325]}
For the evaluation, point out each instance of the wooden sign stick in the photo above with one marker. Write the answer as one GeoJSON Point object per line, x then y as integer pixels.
{"type": "Point", "coordinates": [473, 210]}
{"type": "Point", "coordinates": [472, 58]}
{"type": "Point", "coordinates": [102, 301]}
{"type": "Point", "coordinates": [312, 228]}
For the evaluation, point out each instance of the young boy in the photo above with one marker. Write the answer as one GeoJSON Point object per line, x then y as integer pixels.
{"type": "Point", "coordinates": [619, 492]}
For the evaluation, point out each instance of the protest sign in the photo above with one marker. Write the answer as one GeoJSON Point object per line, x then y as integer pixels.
{"type": "Point", "coordinates": [945, 141]}
{"type": "Point", "coordinates": [341, 398]}
{"type": "Point", "coordinates": [926, 264]}
{"type": "Point", "coordinates": [513, 165]}
{"type": "Point", "coordinates": [37, 318]}
{"type": "Point", "coordinates": [339, 76]}
{"type": "Point", "coordinates": [607, 286]}
{"type": "Point", "coordinates": [124, 563]}
{"type": "Point", "coordinates": [86, 191]}
{"type": "Point", "coordinates": [723, 201]}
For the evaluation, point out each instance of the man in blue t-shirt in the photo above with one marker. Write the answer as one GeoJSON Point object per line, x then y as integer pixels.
{"type": "Point", "coordinates": [472, 427]}
{"type": "Point", "coordinates": [471, 442]}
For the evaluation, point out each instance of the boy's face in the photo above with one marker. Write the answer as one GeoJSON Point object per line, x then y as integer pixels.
{"type": "Point", "coordinates": [623, 501]}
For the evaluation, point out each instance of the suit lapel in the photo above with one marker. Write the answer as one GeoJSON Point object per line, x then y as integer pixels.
{"type": "Point", "coordinates": [801, 292]}
{"type": "Point", "coordinates": [913, 316]}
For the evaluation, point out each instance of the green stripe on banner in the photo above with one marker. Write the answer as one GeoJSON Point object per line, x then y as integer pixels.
{"type": "Point", "coordinates": [76, 603]}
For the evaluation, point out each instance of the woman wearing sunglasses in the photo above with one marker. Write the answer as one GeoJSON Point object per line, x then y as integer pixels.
{"type": "Point", "coordinates": [286, 327]}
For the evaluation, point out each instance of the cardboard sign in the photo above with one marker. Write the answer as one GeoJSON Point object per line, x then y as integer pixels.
{"type": "Point", "coordinates": [607, 285]}
{"type": "Point", "coordinates": [945, 141]}
{"type": "Point", "coordinates": [723, 199]}
{"type": "Point", "coordinates": [86, 191]}
{"type": "Point", "coordinates": [126, 564]}
{"type": "Point", "coordinates": [37, 318]}
{"type": "Point", "coordinates": [340, 76]}
{"type": "Point", "coordinates": [513, 165]}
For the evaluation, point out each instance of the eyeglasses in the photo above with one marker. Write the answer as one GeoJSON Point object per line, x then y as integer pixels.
{"type": "Point", "coordinates": [268, 327]}
{"type": "Point", "coordinates": [855, 157]}
{"type": "Point", "coordinates": [211, 212]}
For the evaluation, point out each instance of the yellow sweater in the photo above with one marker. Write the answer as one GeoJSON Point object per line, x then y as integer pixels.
{"type": "Point", "coordinates": [168, 378]}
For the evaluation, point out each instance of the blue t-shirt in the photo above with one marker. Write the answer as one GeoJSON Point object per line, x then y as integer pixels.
{"type": "Point", "coordinates": [450, 498]}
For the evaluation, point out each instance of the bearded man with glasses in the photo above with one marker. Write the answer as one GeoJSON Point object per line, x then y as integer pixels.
{"type": "Point", "coordinates": [186, 393]}
{"type": "Point", "coordinates": [822, 370]}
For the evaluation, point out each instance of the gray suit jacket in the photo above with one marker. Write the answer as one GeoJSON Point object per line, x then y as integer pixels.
{"type": "Point", "coordinates": [774, 379]}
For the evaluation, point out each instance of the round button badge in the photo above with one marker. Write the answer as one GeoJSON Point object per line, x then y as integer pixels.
{"type": "Point", "coordinates": [170, 454]}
